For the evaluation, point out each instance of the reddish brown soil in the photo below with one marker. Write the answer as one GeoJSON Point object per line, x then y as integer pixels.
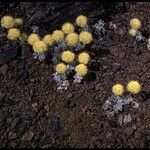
{"type": "Point", "coordinates": [33, 113]}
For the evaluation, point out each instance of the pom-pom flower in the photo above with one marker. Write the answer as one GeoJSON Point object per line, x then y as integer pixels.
{"type": "Point", "coordinates": [68, 28]}
{"type": "Point", "coordinates": [83, 58]}
{"type": "Point", "coordinates": [67, 56]}
{"type": "Point", "coordinates": [117, 89]}
{"type": "Point", "coordinates": [61, 68]}
{"type": "Point", "coordinates": [81, 70]}
{"type": "Point", "coordinates": [58, 35]}
{"type": "Point", "coordinates": [39, 47]}
{"type": "Point", "coordinates": [85, 37]}
{"type": "Point", "coordinates": [48, 39]}
{"type": "Point", "coordinates": [7, 22]}
{"type": "Point", "coordinates": [134, 87]}
{"type": "Point", "coordinates": [135, 23]}
{"type": "Point", "coordinates": [33, 38]}
{"type": "Point", "coordinates": [13, 34]}
{"type": "Point", "coordinates": [133, 32]}
{"type": "Point", "coordinates": [81, 21]}
{"type": "Point", "coordinates": [18, 21]}
{"type": "Point", "coordinates": [72, 39]}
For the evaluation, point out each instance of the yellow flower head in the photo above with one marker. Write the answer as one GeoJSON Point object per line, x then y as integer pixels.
{"type": "Point", "coordinates": [61, 68]}
{"type": "Point", "coordinates": [72, 39]}
{"type": "Point", "coordinates": [117, 89]}
{"type": "Point", "coordinates": [48, 39]}
{"type": "Point", "coordinates": [135, 23]}
{"type": "Point", "coordinates": [133, 32]}
{"type": "Point", "coordinates": [81, 21]}
{"type": "Point", "coordinates": [13, 34]}
{"type": "Point", "coordinates": [85, 37]}
{"type": "Point", "coordinates": [23, 37]}
{"type": "Point", "coordinates": [7, 22]}
{"type": "Point", "coordinates": [67, 56]}
{"type": "Point", "coordinates": [33, 38]}
{"type": "Point", "coordinates": [18, 21]}
{"type": "Point", "coordinates": [134, 87]}
{"type": "Point", "coordinates": [83, 58]}
{"type": "Point", "coordinates": [68, 28]}
{"type": "Point", "coordinates": [58, 35]}
{"type": "Point", "coordinates": [81, 70]}
{"type": "Point", "coordinates": [39, 47]}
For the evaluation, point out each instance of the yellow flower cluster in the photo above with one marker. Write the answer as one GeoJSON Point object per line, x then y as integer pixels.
{"type": "Point", "coordinates": [135, 23]}
{"type": "Point", "coordinates": [48, 40]}
{"type": "Point", "coordinates": [83, 58]}
{"type": "Point", "coordinates": [68, 56]}
{"type": "Point", "coordinates": [133, 32]}
{"type": "Point", "coordinates": [39, 47]}
{"type": "Point", "coordinates": [33, 38]}
{"type": "Point", "coordinates": [81, 21]}
{"type": "Point", "coordinates": [72, 39]}
{"type": "Point", "coordinates": [133, 87]}
{"type": "Point", "coordinates": [118, 89]}
{"type": "Point", "coordinates": [81, 69]}
{"type": "Point", "coordinates": [61, 68]}
{"type": "Point", "coordinates": [58, 35]}
{"type": "Point", "coordinates": [85, 37]}
{"type": "Point", "coordinates": [68, 28]}
{"type": "Point", "coordinates": [13, 34]}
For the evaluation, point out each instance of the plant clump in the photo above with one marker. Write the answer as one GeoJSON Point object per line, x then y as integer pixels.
{"type": "Point", "coordinates": [39, 48]}
{"type": "Point", "coordinates": [65, 50]}
{"type": "Point", "coordinates": [134, 31]}
{"type": "Point", "coordinates": [114, 104]}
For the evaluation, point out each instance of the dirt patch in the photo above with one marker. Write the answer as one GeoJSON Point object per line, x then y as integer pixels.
{"type": "Point", "coordinates": [35, 114]}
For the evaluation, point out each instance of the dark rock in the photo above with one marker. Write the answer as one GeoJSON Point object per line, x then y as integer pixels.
{"type": "Point", "coordinates": [1, 123]}
{"type": "Point", "coordinates": [13, 144]}
{"type": "Point", "coordinates": [70, 95]}
{"type": "Point", "coordinates": [2, 95]}
{"type": "Point", "coordinates": [113, 123]}
{"type": "Point", "coordinates": [137, 135]}
{"type": "Point", "coordinates": [128, 131]}
{"type": "Point", "coordinates": [56, 126]}
{"type": "Point", "coordinates": [12, 135]}
{"type": "Point", "coordinates": [3, 69]}
{"type": "Point", "coordinates": [41, 114]}
{"type": "Point", "coordinates": [69, 104]}
{"type": "Point", "coordinates": [15, 122]}
{"type": "Point", "coordinates": [47, 146]}
{"type": "Point", "coordinates": [27, 136]}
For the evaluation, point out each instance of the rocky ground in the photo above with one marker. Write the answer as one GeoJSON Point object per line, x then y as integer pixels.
{"type": "Point", "coordinates": [33, 113]}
